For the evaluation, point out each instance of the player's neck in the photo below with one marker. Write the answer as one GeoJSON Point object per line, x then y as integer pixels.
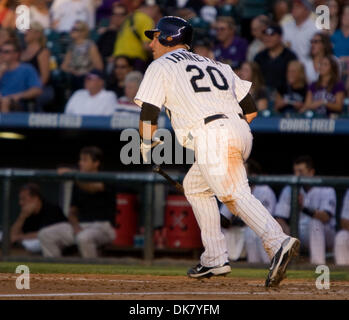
{"type": "Point", "coordinates": [174, 48]}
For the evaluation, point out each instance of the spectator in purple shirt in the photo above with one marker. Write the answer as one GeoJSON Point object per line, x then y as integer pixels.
{"type": "Point", "coordinates": [230, 49]}
{"type": "Point", "coordinates": [325, 96]}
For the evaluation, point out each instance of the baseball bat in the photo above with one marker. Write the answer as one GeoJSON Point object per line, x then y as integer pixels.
{"type": "Point", "coordinates": [177, 185]}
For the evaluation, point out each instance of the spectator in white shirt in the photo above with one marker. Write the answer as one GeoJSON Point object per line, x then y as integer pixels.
{"type": "Point", "coordinates": [298, 33]}
{"type": "Point", "coordinates": [66, 13]}
{"type": "Point", "coordinates": [94, 99]}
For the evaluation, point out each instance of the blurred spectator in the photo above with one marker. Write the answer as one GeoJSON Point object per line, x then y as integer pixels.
{"type": "Point", "coordinates": [317, 212]}
{"type": "Point", "coordinates": [203, 47]}
{"type": "Point", "coordinates": [290, 99]}
{"type": "Point", "coordinates": [94, 99]}
{"type": "Point", "coordinates": [230, 48]}
{"type": "Point", "coordinates": [107, 35]}
{"type": "Point", "coordinates": [273, 60]}
{"type": "Point", "coordinates": [251, 9]}
{"type": "Point", "coordinates": [36, 54]}
{"type": "Point", "coordinates": [281, 12]}
{"type": "Point", "coordinates": [298, 33]}
{"type": "Point", "coordinates": [341, 244]}
{"type": "Point", "coordinates": [209, 10]}
{"type": "Point", "coordinates": [65, 13]}
{"type": "Point", "coordinates": [258, 25]}
{"type": "Point", "coordinates": [19, 82]}
{"type": "Point", "coordinates": [340, 40]}
{"type": "Point", "coordinates": [132, 83]}
{"type": "Point", "coordinates": [116, 82]}
{"type": "Point", "coordinates": [250, 71]}
{"type": "Point", "coordinates": [326, 96]}
{"type": "Point", "coordinates": [104, 11]}
{"type": "Point", "coordinates": [36, 213]}
{"type": "Point", "coordinates": [82, 56]}
{"type": "Point", "coordinates": [320, 47]}
{"type": "Point", "coordinates": [91, 215]}
{"type": "Point", "coordinates": [334, 6]}
{"type": "Point", "coordinates": [7, 13]}
{"type": "Point", "coordinates": [131, 40]}
{"type": "Point", "coordinates": [6, 35]}
{"type": "Point", "coordinates": [39, 12]}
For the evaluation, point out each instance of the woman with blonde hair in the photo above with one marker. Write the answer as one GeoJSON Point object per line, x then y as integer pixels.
{"type": "Point", "coordinates": [38, 55]}
{"type": "Point", "coordinates": [290, 99]}
{"type": "Point", "coordinates": [250, 71]}
{"type": "Point", "coordinates": [82, 56]}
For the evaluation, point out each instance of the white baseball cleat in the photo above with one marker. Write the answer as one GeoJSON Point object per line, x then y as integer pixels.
{"type": "Point", "coordinates": [279, 263]}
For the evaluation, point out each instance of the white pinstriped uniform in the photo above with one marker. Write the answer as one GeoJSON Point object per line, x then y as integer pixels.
{"type": "Point", "coordinates": [254, 246]}
{"type": "Point", "coordinates": [314, 234]}
{"type": "Point", "coordinates": [341, 247]}
{"type": "Point", "coordinates": [192, 88]}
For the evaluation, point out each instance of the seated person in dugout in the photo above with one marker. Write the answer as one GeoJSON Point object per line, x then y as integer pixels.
{"type": "Point", "coordinates": [35, 214]}
{"type": "Point", "coordinates": [341, 244]}
{"type": "Point", "coordinates": [91, 214]}
{"type": "Point", "coordinates": [317, 212]}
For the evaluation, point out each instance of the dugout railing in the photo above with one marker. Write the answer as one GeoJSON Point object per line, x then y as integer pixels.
{"type": "Point", "coordinates": [147, 183]}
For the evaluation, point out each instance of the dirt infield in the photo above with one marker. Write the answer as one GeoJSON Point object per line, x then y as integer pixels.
{"type": "Point", "coordinates": [119, 287]}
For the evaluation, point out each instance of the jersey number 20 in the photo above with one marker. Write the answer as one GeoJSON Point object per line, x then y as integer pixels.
{"type": "Point", "coordinates": [212, 71]}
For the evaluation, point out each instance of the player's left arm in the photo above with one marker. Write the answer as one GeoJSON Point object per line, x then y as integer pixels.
{"type": "Point", "coordinates": [249, 107]}
{"type": "Point", "coordinates": [148, 121]}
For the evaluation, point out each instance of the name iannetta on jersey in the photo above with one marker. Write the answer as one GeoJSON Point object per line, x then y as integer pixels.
{"type": "Point", "coordinates": [179, 56]}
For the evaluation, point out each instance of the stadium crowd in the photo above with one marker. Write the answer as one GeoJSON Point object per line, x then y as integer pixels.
{"type": "Point", "coordinates": [88, 57]}
{"type": "Point", "coordinates": [84, 50]}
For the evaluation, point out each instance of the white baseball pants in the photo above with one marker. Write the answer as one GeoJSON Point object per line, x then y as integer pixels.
{"type": "Point", "coordinates": [221, 147]}
{"type": "Point", "coordinates": [317, 237]}
{"type": "Point", "coordinates": [341, 248]}
{"type": "Point", "coordinates": [55, 237]}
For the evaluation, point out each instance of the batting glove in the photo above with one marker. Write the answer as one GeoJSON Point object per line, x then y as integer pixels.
{"type": "Point", "coordinates": [146, 146]}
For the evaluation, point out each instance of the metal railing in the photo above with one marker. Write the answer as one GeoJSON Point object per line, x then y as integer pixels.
{"type": "Point", "coordinates": [147, 183]}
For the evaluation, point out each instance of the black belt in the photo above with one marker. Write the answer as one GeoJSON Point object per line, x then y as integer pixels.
{"type": "Point", "coordinates": [215, 117]}
{"type": "Point", "coordinates": [219, 116]}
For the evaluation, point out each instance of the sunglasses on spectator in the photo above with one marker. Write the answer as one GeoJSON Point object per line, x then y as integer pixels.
{"type": "Point", "coordinates": [76, 29]}
{"type": "Point", "coordinates": [315, 41]}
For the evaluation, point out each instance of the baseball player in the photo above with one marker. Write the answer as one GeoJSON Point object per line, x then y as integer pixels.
{"type": "Point", "coordinates": [341, 244]}
{"type": "Point", "coordinates": [205, 101]}
{"type": "Point", "coordinates": [265, 194]}
{"type": "Point", "coordinates": [318, 208]}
